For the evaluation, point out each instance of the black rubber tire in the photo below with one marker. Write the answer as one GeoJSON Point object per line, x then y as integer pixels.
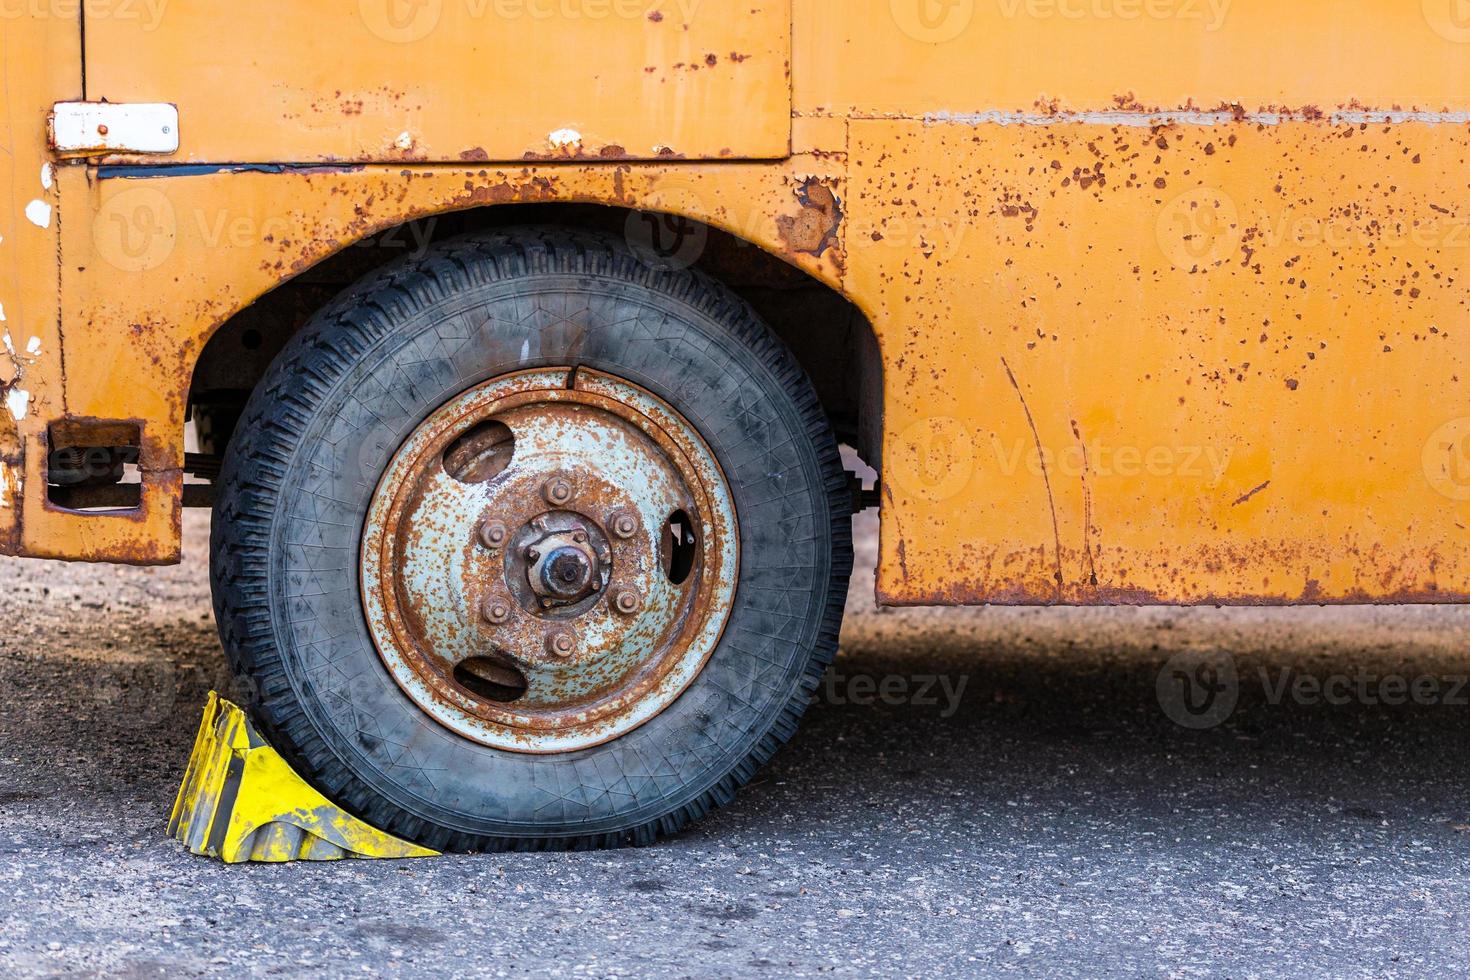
{"type": "Point", "coordinates": [322, 426]}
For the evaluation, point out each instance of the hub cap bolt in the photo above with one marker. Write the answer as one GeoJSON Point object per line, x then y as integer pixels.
{"type": "Point", "coordinates": [492, 534]}
{"type": "Point", "coordinates": [532, 554]}
{"type": "Point", "coordinates": [561, 644]}
{"type": "Point", "coordinates": [624, 526]}
{"type": "Point", "coordinates": [495, 611]}
{"type": "Point", "coordinates": [557, 491]}
{"type": "Point", "coordinates": [627, 602]}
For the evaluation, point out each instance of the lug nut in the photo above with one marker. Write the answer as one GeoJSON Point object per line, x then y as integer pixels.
{"type": "Point", "coordinates": [495, 611]}
{"type": "Point", "coordinates": [624, 526]}
{"type": "Point", "coordinates": [532, 554]}
{"type": "Point", "coordinates": [560, 644]}
{"type": "Point", "coordinates": [492, 534]}
{"type": "Point", "coordinates": [580, 537]}
{"type": "Point", "coordinates": [627, 602]}
{"type": "Point", "coordinates": [557, 491]}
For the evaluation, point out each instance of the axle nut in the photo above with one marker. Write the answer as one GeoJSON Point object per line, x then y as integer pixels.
{"type": "Point", "coordinates": [557, 491]}
{"type": "Point", "coordinates": [628, 602]}
{"type": "Point", "coordinates": [561, 644]}
{"type": "Point", "coordinates": [624, 525]}
{"type": "Point", "coordinates": [492, 534]}
{"type": "Point", "coordinates": [496, 611]}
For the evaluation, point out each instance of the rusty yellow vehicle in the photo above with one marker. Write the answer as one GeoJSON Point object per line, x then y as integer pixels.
{"type": "Point", "coordinates": [519, 338]}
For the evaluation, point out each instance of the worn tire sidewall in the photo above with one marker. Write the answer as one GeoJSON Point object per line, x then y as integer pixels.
{"type": "Point", "coordinates": [663, 339]}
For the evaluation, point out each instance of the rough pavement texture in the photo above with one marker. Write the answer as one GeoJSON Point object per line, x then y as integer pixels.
{"type": "Point", "coordinates": [1053, 819]}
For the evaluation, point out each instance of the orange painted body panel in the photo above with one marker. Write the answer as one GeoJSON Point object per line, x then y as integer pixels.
{"type": "Point", "coordinates": [1170, 306]}
{"type": "Point", "coordinates": [40, 60]}
{"type": "Point", "coordinates": [456, 80]}
{"type": "Point", "coordinates": [1190, 365]}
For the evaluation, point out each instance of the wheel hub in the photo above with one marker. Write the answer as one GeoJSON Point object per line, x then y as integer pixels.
{"type": "Point", "coordinates": [519, 577]}
{"type": "Point", "coordinates": [562, 568]}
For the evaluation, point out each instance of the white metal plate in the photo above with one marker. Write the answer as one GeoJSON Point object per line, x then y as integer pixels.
{"type": "Point", "coordinates": [114, 127]}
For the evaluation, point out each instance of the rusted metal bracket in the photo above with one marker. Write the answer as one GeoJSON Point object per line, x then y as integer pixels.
{"type": "Point", "coordinates": [92, 128]}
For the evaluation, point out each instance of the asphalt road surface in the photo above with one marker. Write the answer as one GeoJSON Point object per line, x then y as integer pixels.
{"type": "Point", "coordinates": [976, 791]}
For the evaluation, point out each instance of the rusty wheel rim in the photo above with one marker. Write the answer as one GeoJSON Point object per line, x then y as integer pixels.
{"type": "Point", "coordinates": [549, 560]}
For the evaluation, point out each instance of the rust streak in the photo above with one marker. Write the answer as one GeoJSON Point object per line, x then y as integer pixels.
{"type": "Point", "coordinates": [1245, 497]}
{"type": "Point", "coordinates": [1086, 507]}
{"type": "Point", "coordinates": [1051, 500]}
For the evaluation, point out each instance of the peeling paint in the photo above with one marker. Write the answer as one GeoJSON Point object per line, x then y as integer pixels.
{"type": "Point", "coordinates": [564, 139]}
{"type": "Point", "coordinates": [33, 347]}
{"type": "Point", "coordinates": [9, 485]}
{"type": "Point", "coordinates": [18, 401]}
{"type": "Point", "coordinates": [38, 212]}
{"type": "Point", "coordinates": [48, 171]}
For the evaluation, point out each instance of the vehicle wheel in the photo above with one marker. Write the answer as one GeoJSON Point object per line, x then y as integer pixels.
{"type": "Point", "coordinates": [524, 544]}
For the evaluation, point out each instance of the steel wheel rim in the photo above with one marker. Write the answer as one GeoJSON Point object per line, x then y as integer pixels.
{"type": "Point", "coordinates": [551, 556]}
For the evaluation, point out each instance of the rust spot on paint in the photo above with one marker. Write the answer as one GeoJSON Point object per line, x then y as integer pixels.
{"type": "Point", "coordinates": [814, 228]}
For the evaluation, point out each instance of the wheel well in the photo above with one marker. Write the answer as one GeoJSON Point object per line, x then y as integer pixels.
{"type": "Point", "coordinates": [829, 335]}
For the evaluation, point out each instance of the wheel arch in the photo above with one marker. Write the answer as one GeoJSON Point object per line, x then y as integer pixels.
{"type": "Point", "coordinates": [830, 335]}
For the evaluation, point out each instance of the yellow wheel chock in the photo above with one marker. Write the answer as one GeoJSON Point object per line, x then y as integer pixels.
{"type": "Point", "coordinates": [240, 801]}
